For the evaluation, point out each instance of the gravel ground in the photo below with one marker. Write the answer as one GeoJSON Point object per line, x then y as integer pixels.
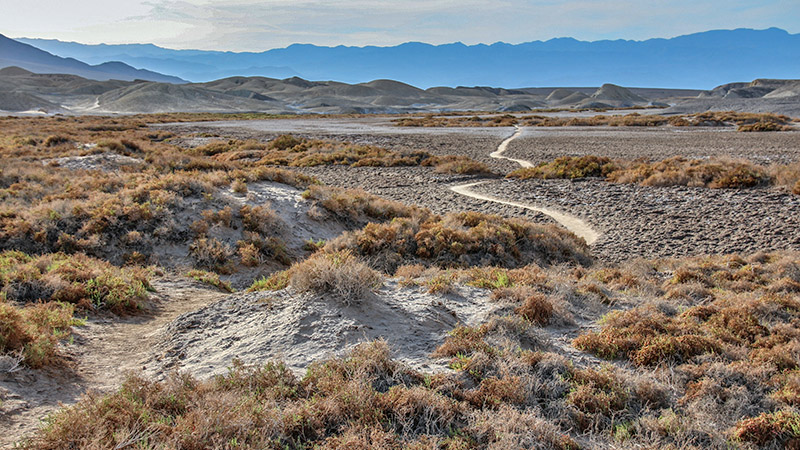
{"type": "Point", "coordinates": [416, 186]}
{"type": "Point", "coordinates": [650, 222]}
{"type": "Point", "coordinates": [634, 221]}
{"type": "Point", "coordinates": [546, 144]}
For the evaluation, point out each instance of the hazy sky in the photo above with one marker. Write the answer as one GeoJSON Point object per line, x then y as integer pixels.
{"type": "Point", "coordinates": [260, 25]}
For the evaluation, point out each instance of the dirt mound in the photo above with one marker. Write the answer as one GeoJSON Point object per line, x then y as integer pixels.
{"type": "Point", "coordinates": [559, 94]}
{"type": "Point", "coordinates": [301, 328]}
{"type": "Point", "coordinates": [107, 162]}
{"type": "Point", "coordinates": [786, 91]}
{"type": "Point", "coordinates": [617, 95]}
{"type": "Point", "coordinates": [14, 71]}
{"type": "Point", "coordinates": [572, 99]}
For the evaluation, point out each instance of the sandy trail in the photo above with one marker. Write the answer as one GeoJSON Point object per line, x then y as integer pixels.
{"type": "Point", "coordinates": [498, 154]}
{"type": "Point", "coordinates": [571, 223]}
{"type": "Point", "coordinates": [107, 348]}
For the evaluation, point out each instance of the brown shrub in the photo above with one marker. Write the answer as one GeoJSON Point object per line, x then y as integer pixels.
{"type": "Point", "coordinates": [338, 273]}
{"type": "Point", "coordinates": [781, 428]}
{"type": "Point", "coordinates": [463, 240]}
{"type": "Point", "coordinates": [537, 308]}
{"type": "Point", "coordinates": [211, 254]}
{"type": "Point", "coordinates": [34, 330]}
{"type": "Point", "coordinates": [569, 167]}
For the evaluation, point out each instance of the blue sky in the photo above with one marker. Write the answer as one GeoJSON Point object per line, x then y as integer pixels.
{"type": "Point", "coordinates": [248, 25]}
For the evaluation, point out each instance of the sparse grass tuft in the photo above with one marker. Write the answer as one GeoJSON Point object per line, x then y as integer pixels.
{"type": "Point", "coordinates": [211, 279]}
{"type": "Point", "coordinates": [339, 273]}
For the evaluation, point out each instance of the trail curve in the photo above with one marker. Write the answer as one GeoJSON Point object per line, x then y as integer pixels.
{"type": "Point", "coordinates": [498, 154]}
{"type": "Point", "coordinates": [571, 223]}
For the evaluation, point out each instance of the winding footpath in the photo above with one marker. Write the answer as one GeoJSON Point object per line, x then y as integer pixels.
{"type": "Point", "coordinates": [571, 223]}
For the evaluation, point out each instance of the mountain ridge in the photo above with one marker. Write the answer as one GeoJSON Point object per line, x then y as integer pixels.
{"type": "Point", "coordinates": [19, 54]}
{"type": "Point", "coordinates": [698, 60]}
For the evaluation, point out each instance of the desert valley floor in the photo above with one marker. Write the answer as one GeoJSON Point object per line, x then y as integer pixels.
{"type": "Point", "coordinates": [614, 249]}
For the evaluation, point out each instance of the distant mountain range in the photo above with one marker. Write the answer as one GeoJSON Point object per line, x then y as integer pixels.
{"type": "Point", "coordinates": [700, 60]}
{"type": "Point", "coordinates": [18, 54]}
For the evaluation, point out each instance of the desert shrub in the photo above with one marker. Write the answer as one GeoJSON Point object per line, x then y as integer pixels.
{"type": "Point", "coordinates": [210, 278]}
{"type": "Point", "coordinates": [339, 273]}
{"type": "Point", "coordinates": [284, 142]}
{"type": "Point", "coordinates": [274, 282]}
{"type": "Point", "coordinates": [34, 330]}
{"type": "Point", "coordinates": [75, 279]}
{"type": "Point", "coordinates": [351, 204]}
{"type": "Point", "coordinates": [599, 396]}
{"type": "Point", "coordinates": [462, 240]}
{"type": "Point", "coordinates": [54, 140]}
{"type": "Point", "coordinates": [569, 167]}
{"type": "Point", "coordinates": [211, 254]}
{"type": "Point", "coordinates": [456, 165]}
{"type": "Point", "coordinates": [260, 219]}
{"type": "Point", "coordinates": [442, 283]}
{"type": "Point", "coordinates": [681, 171]}
{"type": "Point", "coordinates": [239, 186]}
{"type": "Point", "coordinates": [781, 428]}
{"type": "Point", "coordinates": [509, 427]}
{"type": "Point", "coordinates": [763, 126]}
{"type": "Point", "coordinates": [536, 308]}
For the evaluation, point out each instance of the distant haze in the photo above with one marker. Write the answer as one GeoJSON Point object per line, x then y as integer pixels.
{"type": "Point", "coordinates": [699, 61]}
{"type": "Point", "coordinates": [258, 25]}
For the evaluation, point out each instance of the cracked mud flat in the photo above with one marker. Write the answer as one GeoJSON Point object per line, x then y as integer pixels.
{"type": "Point", "coordinates": [545, 144]}
{"type": "Point", "coordinates": [633, 221]}
{"type": "Point", "coordinates": [639, 221]}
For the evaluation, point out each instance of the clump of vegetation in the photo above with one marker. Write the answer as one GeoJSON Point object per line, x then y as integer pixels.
{"type": "Point", "coordinates": [355, 205]}
{"type": "Point", "coordinates": [363, 400]}
{"type": "Point", "coordinates": [76, 279]}
{"type": "Point", "coordinates": [676, 171]}
{"type": "Point", "coordinates": [287, 150]}
{"type": "Point", "coordinates": [33, 331]}
{"type": "Point", "coordinates": [764, 126]}
{"type": "Point", "coordinates": [339, 273]}
{"type": "Point", "coordinates": [569, 167]}
{"type": "Point", "coordinates": [744, 121]}
{"type": "Point", "coordinates": [274, 282]}
{"type": "Point", "coordinates": [38, 295]}
{"type": "Point", "coordinates": [714, 174]}
{"type": "Point", "coordinates": [781, 428]}
{"type": "Point", "coordinates": [210, 278]}
{"type": "Point", "coordinates": [462, 240]}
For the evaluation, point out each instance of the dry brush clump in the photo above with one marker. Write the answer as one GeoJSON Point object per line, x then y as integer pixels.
{"type": "Point", "coordinates": [743, 121]}
{"type": "Point", "coordinates": [340, 273]}
{"type": "Point", "coordinates": [462, 240]}
{"type": "Point", "coordinates": [725, 329]}
{"type": "Point", "coordinates": [363, 400]}
{"type": "Point", "coordinates": [569, 167]}
{"type": "Point", "coordinates": [676, 171]}
{"type": "Point", "coordinates": [38, 295]}
{"type": "Point", "coordinates": [288, 150]}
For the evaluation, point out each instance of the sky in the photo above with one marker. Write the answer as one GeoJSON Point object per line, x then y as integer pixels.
{"type": "Point", "coordinates": [248, 25]}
